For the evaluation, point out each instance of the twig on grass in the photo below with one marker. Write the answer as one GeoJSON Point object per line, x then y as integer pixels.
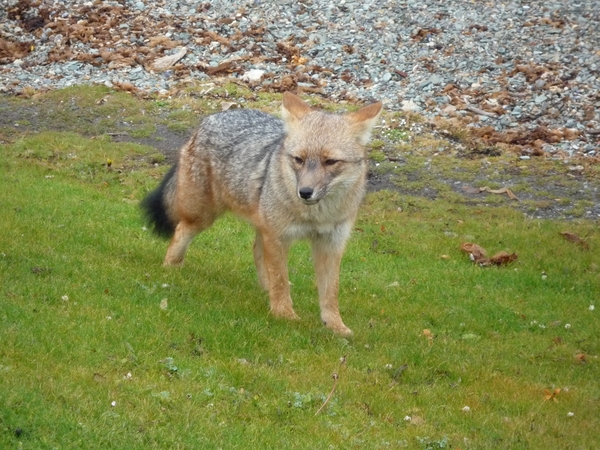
{"type": "Point", "coordinates": [335, 380]}
{"type": "Point", "coordinates": [335, 377]}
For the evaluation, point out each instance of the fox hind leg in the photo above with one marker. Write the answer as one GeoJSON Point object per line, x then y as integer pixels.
{"type": "Point", "coordinates": [184, 234]}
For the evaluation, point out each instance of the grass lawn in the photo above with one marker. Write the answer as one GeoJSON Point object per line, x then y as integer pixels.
{"type": "Point", "coordinates": [102, 347]}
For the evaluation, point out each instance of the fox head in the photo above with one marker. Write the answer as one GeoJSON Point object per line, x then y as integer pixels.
{"type": "Point", "coordinates": [326, 151]}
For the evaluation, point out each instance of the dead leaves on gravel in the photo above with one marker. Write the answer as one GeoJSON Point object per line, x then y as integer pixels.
{"type": "Point", "coordinates": [118, 37]}
{"type": "Point", "coordinates": [11, 51]}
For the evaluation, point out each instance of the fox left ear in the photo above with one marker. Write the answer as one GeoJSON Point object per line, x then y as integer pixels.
{"type": "Point", "coordinates": [363, 121]}
{"type": "Point", "coordinates": [293, 108]}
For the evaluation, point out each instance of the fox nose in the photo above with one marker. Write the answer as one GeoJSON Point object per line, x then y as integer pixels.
{"type": "Point", "coordinates": [305, 192]}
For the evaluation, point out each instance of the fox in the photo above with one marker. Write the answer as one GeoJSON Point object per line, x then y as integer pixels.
{"type": "Point", "coordinates": [298, 177]}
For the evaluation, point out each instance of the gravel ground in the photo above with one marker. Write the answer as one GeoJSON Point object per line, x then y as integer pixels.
{"type": "Point", "coordinates": [523, 73]}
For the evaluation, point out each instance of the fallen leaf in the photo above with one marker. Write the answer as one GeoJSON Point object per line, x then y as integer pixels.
{"type": "Point", "coordinates": [417, 420]}
{"type": "Point", "coordinates": [551, 395]}
{"type": "Point", "coordinates": [478, 255]}
{"type": "Point", "coordinates": [427, 333]}
{"type": "Point", "coordinates": [572, 237]}
{"type": "Point", "coordinates": [476, 252]}
{"type": "Point", "coordinates": [223, 67]}
{"type": "Point", "coordinates": [10, 51]}
{"type": "Point", "coordinates": [503, 258]}
{"type": "Point", "coordinates": [164, 41]}
{"type": "Point", "coordinates": [499, 191]}
{"type": "Point", "coordinates": [228, 105]}
{"type": "Point", "coordinates": [99, 378]}
{"type": "Point", "coordinates": [580, 358]}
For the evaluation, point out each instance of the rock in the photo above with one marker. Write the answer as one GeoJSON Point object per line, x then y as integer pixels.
{"type": "Point", "coordinates": [409, 105]}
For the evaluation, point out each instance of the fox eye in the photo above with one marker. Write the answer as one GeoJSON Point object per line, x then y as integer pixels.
{"type": "Point", "coordinates": [298, 160]}
{"type": "Point", "coordinates": [331, 162]}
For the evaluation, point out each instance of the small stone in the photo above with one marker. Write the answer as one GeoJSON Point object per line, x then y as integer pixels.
{"type": "Point", "coordinates": [450, 109]}
{"type": "Point", "coordinates": [253, 75]}
{"type": "Point", "coordinates": [409, 105]}
{"type": "Point", "coordinates": [435, 79]}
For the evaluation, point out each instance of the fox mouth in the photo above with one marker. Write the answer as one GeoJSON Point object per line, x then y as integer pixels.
{"type": "Point", "coordinates": [310, 201]}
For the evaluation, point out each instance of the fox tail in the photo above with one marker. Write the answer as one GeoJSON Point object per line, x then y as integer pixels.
{"type": "Point", "coordinates": [157, 204]}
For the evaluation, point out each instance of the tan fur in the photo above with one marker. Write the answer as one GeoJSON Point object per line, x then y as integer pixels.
{"type": "Point", "coordinates": [300, 179]}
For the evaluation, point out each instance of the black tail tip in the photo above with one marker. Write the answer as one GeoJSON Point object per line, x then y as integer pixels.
{"type": "Point", "coordinates": [155, 210]}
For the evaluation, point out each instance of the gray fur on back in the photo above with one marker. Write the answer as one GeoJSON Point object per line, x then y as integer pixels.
{"type": "Point", "coordinates": [242, 144]}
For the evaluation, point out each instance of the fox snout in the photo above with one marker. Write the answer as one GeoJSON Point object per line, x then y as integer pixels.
{"type": "Point", "coordinates": [308, 195]}
{"type": "Point", "coordinates": [312, 179]}
{"type": "Point", "coordinates": [305, 193]}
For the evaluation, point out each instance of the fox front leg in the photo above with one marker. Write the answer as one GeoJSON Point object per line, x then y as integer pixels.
{"type": "Point", "coordinates": [275, 273]}
{"type": "Point", "coordinates": [327, 259]}
{"type": "Point", "coordinates": [259, 261]}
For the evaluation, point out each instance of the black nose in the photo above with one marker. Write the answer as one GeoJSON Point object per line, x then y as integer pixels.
{"type": "Point", "coordinates": [305, 192]}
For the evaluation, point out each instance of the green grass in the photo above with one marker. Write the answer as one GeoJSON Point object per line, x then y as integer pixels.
{"type": "Point", "coordinates": [89, 359]}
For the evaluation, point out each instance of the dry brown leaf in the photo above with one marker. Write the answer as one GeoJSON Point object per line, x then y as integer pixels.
{"type": "Point", "coordinates": [9, 51]}
{"type": "Point", "coordinates": [476, 252]}
{"type": "Point", "coordinates": [212, 36]}
{"type": "Point", "coordinates": [225, 106]}
{"type": "Point", "coordinates": [551, 395]}
{"type": "Point", "coordinates": [478, 255]}
{"type": "Point", "coordinates": [164, 41]}
{"type": "Point", "coordinates": [124, 86]}
{"type": "Point", "coordinates": [503, 257]}
{"type": "Point", "coordinates": [223, 67]}
{"type": "Point", "coordinates": [99, 378]}
{"type": "Point", "coordinates": [581, 358]}
{"type": "Point", "coordinates": [572, 237]}
{"type": "Point", "coordinates": [499, 191]}
{"type": "Point", "coordinates": [427, 333]}
{"type": "Point", "coordinates": [417, 420]}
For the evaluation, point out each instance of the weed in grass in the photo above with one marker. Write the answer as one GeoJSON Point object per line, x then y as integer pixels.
{"type": "Point", "coordinates": [377, 156]}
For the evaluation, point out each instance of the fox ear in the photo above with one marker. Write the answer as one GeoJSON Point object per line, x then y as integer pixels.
{"type": "Point", "coordinates": [293, 108]}
{"type": "Point", "coordinates": [363, 121]}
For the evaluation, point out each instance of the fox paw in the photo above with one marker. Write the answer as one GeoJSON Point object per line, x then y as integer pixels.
{"type": "Point", "coordinates": [285, 313]}
{"type": "Point", "coordinates": [338, 327]}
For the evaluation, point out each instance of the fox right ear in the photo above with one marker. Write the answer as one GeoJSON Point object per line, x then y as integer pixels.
{"type": "Point", "coordinates": [293, 108]}
{"type": "Point", "coordinates": [363, 121]}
